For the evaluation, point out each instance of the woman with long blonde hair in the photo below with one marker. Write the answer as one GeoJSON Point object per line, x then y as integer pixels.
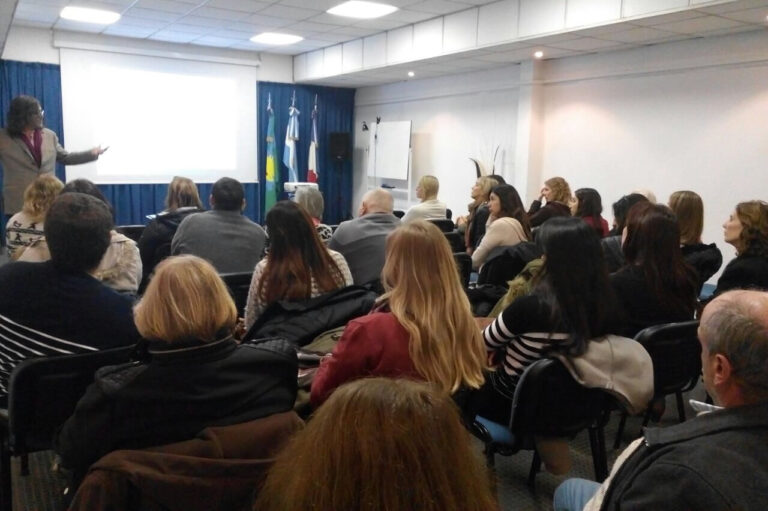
{"type": "Point", "coordinates": [27, 225]}
{"type": "Point", "coordinates": [422, 326]}
{"type": "Point", "coordinates": [405, 450]}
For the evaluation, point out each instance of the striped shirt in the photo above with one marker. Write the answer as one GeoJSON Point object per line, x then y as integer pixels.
{"type": "Point", "coordinates": [522, 333]}
{"type": "Point", "coordinates": [19, 343]}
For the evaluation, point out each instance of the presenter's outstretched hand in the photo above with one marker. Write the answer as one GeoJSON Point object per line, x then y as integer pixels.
{"type": "Point", "coordinates": [98, 151]}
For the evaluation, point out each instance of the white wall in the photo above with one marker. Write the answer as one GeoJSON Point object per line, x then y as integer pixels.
{"type": "Point", "coordinates": [700, 129]}
{"type": "Point", "coordinates": [30, 45]}
{"type": "Point", "coordinates": [454, 118]}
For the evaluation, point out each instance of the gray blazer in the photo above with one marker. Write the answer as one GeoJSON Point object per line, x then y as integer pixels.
{"type": "Point", "coordinates": [20, 168]}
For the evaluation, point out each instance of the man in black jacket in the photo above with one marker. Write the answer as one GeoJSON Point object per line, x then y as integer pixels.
{"type": "Point", "coordinates": [717, 461]}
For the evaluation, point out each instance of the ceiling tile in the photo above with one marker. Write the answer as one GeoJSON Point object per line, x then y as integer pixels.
{"type": "Point", "coordinates": [733, 6]}
{"type": "Point", "coordinates": [313, 27]}
{"type": "Point", "coordinates": [380, 24]}
{"type": "Point", "coordinates": [173, 36]}
{"type": "Point", "coordinates": [439, 6]}
{"type": "Point", "coordinates": [332, 19]}
{"type": "Point", "coordinates": [202, 21]}
{"type": "Point", "coordinates": [638, 35]}
{"type": "Point", "coordinates": [251, 6]}
{"type": "Point", "coordinates": [220, 14]}
{"type": "Point", "coordinates": [695, 25]}
{"type": "Point", "coordinates": [756, 16]}
{"type": "Point", "coordinates": [232, 34]}
{"type": "Point", "coordinates": [611, 28]}
{"type": "Point", "coordinates": [190, 29]}
{"type": "Point", "coordinates": [267, 21]}
{"type": "Point", "coordinates": [291, 13]}
{"type": "Point", "coordinates": [129, 31]}
{"type": "Point", "coordinates": [586, 44]}
{"type": "Point", "coordinates": [410, 16]}
{"type": "Point", "coordinates": [221, 42]}
{"type": "Point", "coordinates": [651, 21]}
{"type": "Point", "coordinates": [138, 12]}
{"type": "Point", "coordinates": [320, 5]}
{"type": "Point", "coordinates": [333, 37]}
{"type": "Point", "coordinates": [165, 6]}
{"type": "Point", "coordinates": [355, 31]}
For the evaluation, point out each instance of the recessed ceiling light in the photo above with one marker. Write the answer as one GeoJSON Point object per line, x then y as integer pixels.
{"type": "Point", "coordinates": [411, 74]}
{"type": "Point", "coordinates": [275, 39]}
{"type": "Point", "coordinates": [538, 54]}
{"type": "Point", "coordinates": [363, 10]}
{"type": "Point", "coordinates": [87, 15]}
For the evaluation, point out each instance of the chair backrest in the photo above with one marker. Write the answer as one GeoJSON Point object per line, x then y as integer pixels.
{"type": "Point", "coordinates": [464, 263]}
{"type": "Point", "coordinates": [549, 402]}
{"type": "Point", "coordinates": [443, 224]}
{"type": "Point", "coordinates": [239, 284]}
{"type": "Point", "coordinates": [43, 393]}
{"type": "Point", "coordinates": [505, 262]}
{"type": "Point", "coordinates": [399, 213]}
{"type": "Point", "coordinates": [132, 231]}
{"type": "Point", "coordinates": [456, 241]}
{"type": "Point", "coordinates": [676, 354]}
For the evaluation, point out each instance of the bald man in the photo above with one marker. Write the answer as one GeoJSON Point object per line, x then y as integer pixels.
{"type": "Point", "coordinates": [717, 461]}
{"type": "Point", "coordinates": [362, 241]}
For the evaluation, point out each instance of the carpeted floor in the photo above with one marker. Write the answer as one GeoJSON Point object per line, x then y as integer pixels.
{"type": "Point", "coordinates": [41, 490]}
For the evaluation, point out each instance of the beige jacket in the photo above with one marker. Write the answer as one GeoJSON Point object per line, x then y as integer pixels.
{"type": "Point", "coordinates": [500, 232]}
{"type": "Point", "coordinates": [20, 168]}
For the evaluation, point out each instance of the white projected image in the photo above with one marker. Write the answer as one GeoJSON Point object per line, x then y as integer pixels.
{"type": "Point", "coordinates": [149, 117]}
{"type": "Point", "coordinates": [159, 117]}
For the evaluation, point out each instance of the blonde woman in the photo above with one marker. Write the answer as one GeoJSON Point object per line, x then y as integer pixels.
{"type": "Point", "coordinates": [194, 374]}
{"type": "Point", "coordinates": [429, 207]}
{"type": "Point", "coordinates": [689, 210]}
{"type": "Point", "coordinates": [27, 225]}
{"type": "Point", "coordinates": [556, 197]}
{"type": "Point", "coordinates": [474, 223]}
{"type": "Point", "coordinates": [422, 327]}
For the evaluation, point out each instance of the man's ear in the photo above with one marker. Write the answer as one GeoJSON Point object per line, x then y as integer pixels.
{"type": "Point", "coordinates": [211, 201]}
{"type": "Point", "coordinates": [722, 370]}
{"type": "Point", "coordinates": [242, 206]}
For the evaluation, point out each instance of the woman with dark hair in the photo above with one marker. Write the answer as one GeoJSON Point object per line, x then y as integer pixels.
{"type": "Point", "coordinates": [27, 149]}
{"type": "Point", "coordinates": [120, 268]}
{"type": "Point", "coordinates": [298, 265]}
{"type": "Point", "coordinates": [556, 194]}
{"type": "Point", "coordinates": [474, 223]}
{"type": "Point", "coordinates": [380, 444]}
{"type": "Point", "coordinates": [571, 302]}
{"type": "Point", "coordinates": [689, 210]}
{"type": "Point", "coordinates": [614, 256]}
{"type": "Point", "coordinates": [747, 231]}
{"type": "Point", "coordinates": [656, 285]}
{"type": "Point", "coordinates": [508, 224]}
{"type": "Point", "coordinates": [181, 201]}
{"type": "Point", "coordinates": [587, 205]}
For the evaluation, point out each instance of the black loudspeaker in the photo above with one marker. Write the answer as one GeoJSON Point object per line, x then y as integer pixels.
{"type": "Point", "coordinates": [339, 145]}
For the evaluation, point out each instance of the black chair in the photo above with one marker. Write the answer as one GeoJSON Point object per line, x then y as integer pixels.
{"type": "Point", "coordinates": [399, 213]}
{"type": "Point", "coordinates": [505, 262]}
{"type": "Point", "coordinates": [443, 224]}
{"type": "Point", "coordinates": [456, 241]}
{"type": "Point", "coordinates": [448, 214]}
{"type": "Point", "coordinates": [548, 402]}
{"type": "Point", "coordinates": [238, 283]}
{"type": "Point", "coordinates": [132, 231]}
{"type": "Point", "coordinates": [42, 395]}
{"type": "Point", "coordinates": [676, 354]}
{"type": "Point", "coordinates": [464, 263]}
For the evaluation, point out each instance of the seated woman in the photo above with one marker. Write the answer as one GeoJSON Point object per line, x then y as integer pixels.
{"type": "Point", "coordinates": [508, 223]}
{"type": "Point", "coordinates": [181, 201]}
{"type": "Point", "coordinates": [422, 327]}
{"type": "Point", "coordinates": [689, 210]}
{"type": "Point", "coordinates": [312, 200]}
{"type": "Point", "coordinates": [429, 207]}
{"type": "Point", "coordinates": [587, 205]}
{"type": "Point", "coordinates": [571, 302]}
{"type": "Point", "coordinates": [27, 225]}
{"type": "Point", "coordinates": [614, 256]}
{"type": "Point", "coordinates": [380, 444]}
{"type": "Point", "coordinates": [298, 265]}
{"type": "Point", "coordinates": [474, 223]}
{"type": "Point", "coordinates": [557, 195]}
{"type": "Point", "coordinates": [120, 268]}
{"type": "Point", "coordinates": [747, 231]}
{"type": "Point", "coordinates": [193, 375]}
{"type": "Point", "coordinates": [656, 285]}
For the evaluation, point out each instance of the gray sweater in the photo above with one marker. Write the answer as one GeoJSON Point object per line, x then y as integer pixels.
{"type": "Point", "coordinates": [227, 239]}
{"type": "Point", "coordinates": [362, 242]}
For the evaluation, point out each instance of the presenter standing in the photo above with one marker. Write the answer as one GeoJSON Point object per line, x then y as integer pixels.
{"type": "Point", "coordinates": [27, 150]}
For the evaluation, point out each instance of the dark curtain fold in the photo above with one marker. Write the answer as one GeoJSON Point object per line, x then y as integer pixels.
{"type": "Point", "coordinates": [336, 114]}
{"type": "Point", "coordinates": [132, 203]}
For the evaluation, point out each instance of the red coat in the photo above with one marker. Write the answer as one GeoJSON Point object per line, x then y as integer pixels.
{"type": "Point", "coordinates": [373, 345]}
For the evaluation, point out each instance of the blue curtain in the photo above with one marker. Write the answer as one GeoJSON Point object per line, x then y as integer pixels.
{"type": "Point", "coordinates": [335, 114]}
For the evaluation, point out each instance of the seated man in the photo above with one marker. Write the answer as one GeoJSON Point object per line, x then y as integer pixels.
{"type": "Point", "coordinates": [222, 236]}
{"type": "Point", "coordinates": [57, 307]}
{"type": "Point", "coordinates": [362, 241]}
{"type": "Point", "coordinates": [717, 461]}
